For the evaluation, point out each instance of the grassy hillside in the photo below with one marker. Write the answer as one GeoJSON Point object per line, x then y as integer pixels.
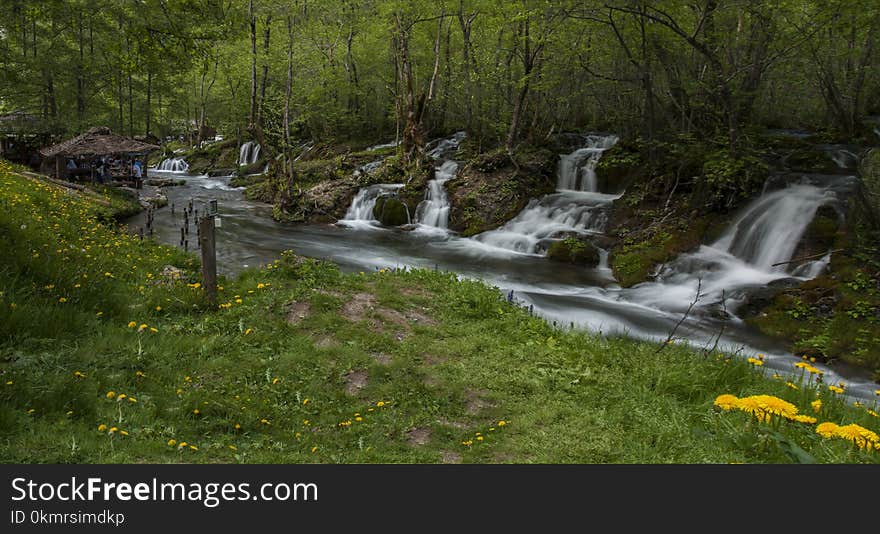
{"type": "Point", "coordinates": [108, 353]}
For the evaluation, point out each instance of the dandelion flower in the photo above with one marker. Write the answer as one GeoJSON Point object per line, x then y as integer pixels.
{"type": "Point", "coordinates": [305, 401]}
{"type": "Point", "coordinates": [121, 396]}
{"type": "Point", "coordinates": [502, 423]}
{"type": "Point", "coordinates": [756, 362]}
{"type": "Point", "coordinates": [315, 448]}
{"type": "Point", "coordinates": [275, 381]}
{"type": "Point", "coordinates": [817, 405]}
{"type": "Point", "coordinates": [827, 429]}
{"type": "Point", "coordinates": [112, 430]}
{"type": "Point", "coordinates": [237, 426]}
{"type": "Point", "coordinates": [725, 402]}
{"type": "Point", "coordinates": [248, 331]}
{"type": "Point", "coordinates": [196, 411]}
{"type": "Point", "coordinates": [193, 447]}
{"type": "Point", "coordinates": [380, 404]}
{"type": "Point", "coordinates": [102, 428]}
{"type": "Point", "coordinates": [132, 324]}
{"type": "Point", "coordinates": [111, 394]}
{"type": "Point", "coordinates": [804, 419]}
{"type": "Point", "coordinates": [158, 308]}
{"type": "Point", "coordinates": [233, 447]}
{"type": "Point", "coordinates": [835, 389]}
{"type": "Point", "coordinates": [172, 442]}
{"type": "Point", "coordinates": [62, 300]}
{"type": "Point", "coordinates": [123, 432]}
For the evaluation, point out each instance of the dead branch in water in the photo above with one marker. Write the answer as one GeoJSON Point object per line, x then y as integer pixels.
{"type": "Point", "coordinates": [811, 256]}
{"type": "Point", "coordinates": [683, 317]}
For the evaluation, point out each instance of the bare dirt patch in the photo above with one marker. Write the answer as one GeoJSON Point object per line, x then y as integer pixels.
{"type": "Point", "coordinates": [476, 402]}
{"type": "Point", "coordinates": [382, 358]}
{"type": "Point", "coordinates": [298, 312]}
{"type": "Point", "coordinates": [418, 436]}
{"type": "Point", "coordinates": [416, 292]}
{"type": "Point", "coordinates": [449, 457]}
{"type": "Point", "coordinates": [356, 308]}
{"type": "Point", "coordinates": [355, 381]}
{"type": "Point", "coordinates": [433, 359]}
{"type": "Point", "coordinates": [326, 342]}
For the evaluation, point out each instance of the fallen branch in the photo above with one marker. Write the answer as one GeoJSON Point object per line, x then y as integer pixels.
{"type": "Point", "coordinates": [811, 256]}
{"type": "Point", "coordinates": [683, 317]}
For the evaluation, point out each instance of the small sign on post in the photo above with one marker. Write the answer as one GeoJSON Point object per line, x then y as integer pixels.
{"type": "Point", "coordinates": [209, 253]}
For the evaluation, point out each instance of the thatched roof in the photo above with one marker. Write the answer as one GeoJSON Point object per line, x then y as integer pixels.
{"type": "Point", "coordinates": [98, 142]}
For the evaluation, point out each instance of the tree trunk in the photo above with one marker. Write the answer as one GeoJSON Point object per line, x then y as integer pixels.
{"type": "Point", "coordinates": [265, 80]}
{"type": "Point", "coordinates": [148, 111]}
{"type": "Point", "coordinates": [252, 118]}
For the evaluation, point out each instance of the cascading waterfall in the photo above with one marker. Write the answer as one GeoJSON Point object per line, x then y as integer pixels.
{"type": "Point", "coordinates": [361, 209]}
{"type": "Point", "coordinates": [249, 153]}
{"type": "Point", "coordinates": [543, 220]}
{"type": "Point", "coordinates": [753, 252]}
{"type": "Point", "coordinates": [577, 206]}
{"type": "Point", "coordinates": [173, 165]}
{"type": "Point", "coordinates": [577, 171]}
{"type": "Point", "coordinates": [434, 210]}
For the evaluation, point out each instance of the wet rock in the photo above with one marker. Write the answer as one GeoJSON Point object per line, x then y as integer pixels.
{"type": "Point", "coordinates": [390, 211]}
{"type": "Point", "coordinates": [574, 250]}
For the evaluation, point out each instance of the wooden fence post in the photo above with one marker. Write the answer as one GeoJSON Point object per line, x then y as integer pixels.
{"type": "Point", "coordinates": [209, 258]}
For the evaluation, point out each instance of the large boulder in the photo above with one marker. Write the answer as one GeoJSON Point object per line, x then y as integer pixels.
{"type": "Point", "coordinates": [390, 211]}
{"type": "Point", "coordinates": [574, 250]}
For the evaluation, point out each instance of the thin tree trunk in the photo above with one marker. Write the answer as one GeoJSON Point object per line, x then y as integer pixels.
{"type": "Point", "coordinates": [265, 80]}
{"type": "Point", "coordinates": [252, 118]}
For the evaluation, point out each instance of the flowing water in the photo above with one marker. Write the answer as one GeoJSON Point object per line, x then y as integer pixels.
{"type": "Point", "coordinates": [249, 153]}
{"type": "Point", "coordinates": [744, 258]}
{"type": "Point", "coordinates": [173, 165]}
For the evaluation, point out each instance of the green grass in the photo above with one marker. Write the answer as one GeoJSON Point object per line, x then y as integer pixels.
{"type": "Point", "coordinates": [272, 370]}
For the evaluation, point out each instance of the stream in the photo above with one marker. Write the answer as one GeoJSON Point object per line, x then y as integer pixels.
{"type": "Point", "coordinates": [511, 257]}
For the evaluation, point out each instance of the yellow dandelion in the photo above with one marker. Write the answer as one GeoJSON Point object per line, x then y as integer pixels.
{"type": "Point", "coordinates": [380, 404]}
{"type": "Point", "coordinates": [817, 405]}
{"type": "Point", "coordinates": [827, 429]}
{"type": "Point", "coordinates": [756, 362]}
{"type": "Point", "coordinates": [9, 382]}
{"type": "Point", "coordinates": [502, 423]}
{"type": "Point", "coordinates": [62, 300]}
{"type": "Point", "coordinates": [804, 419]}
{"type": "Point", "coordinates": [305, 401]}
{"type": "Point", "coordinates": [102, 428]}
{"type": "Point", "coordinates": [193, 447]}
{"type": "Point", "coordinates": [172, 442]}
{"type": "Point", "coordinates": [725, 402]}
{"type": "Point", "coordinates": [358, 419]}
{"type": "Point", "coordinates": [111, 394]}
{"type": "Point", "coordinates": [158, 308]}
{"type": "Point", "coordinates": [69, 412]}
{"type": "Point", "coordinates": [233, 448]}
{"type": "Point", "coordinates": [479, 438]}
{"type": "Point", "coordinates": [132, 400]}
{"type": "Point", "coordinates": [791, 385]}
{"type": "Point", "coordinates": [248, 331]}
{"type": "Point", "coordinates": [835, 389]}
{"type": "Point", "coordinates": [132, 324]}
{"type": "Point", "coordinates": [275, 381]}
{"type": "Point", "coordinates": [315, 448]}
{"type": "Point", "coordinates": [142, 327]}
{"type": "Point", "coordinates": [112, 430]}
{"type": "Point", "coordinates": [182, 444]}
{"type": "Point", "coordinates": [140, 374]}
{"type": "Point", "coordinates": [153, 330]}
{"type": "Point", "coordinates": [123, 432]}
{"type": "Point", "coordinates": [196, 411]}
{"type": "Point", "coordinates": [265, 422]}
{"type": "Point", "coordinates": [872, 413]}
{"type": "Point", "coordinates": [121, 396]}
{"type": "Point", "coordinates": [100, 313]}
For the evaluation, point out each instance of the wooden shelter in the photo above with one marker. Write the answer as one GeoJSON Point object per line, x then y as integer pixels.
{"type": "Point", "coordinates": [99, 147]}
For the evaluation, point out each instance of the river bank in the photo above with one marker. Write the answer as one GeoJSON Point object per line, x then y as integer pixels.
{"type": "Point", "coordinates": [110, 355]}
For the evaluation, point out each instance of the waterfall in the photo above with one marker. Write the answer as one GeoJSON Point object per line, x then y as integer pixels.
{"type": "Point", "coordinates": [576, 208]}
{"type": "Point", "coordinates": [249, 153]}
{"type": "Point", "coordinates": [750, 254]}
{"type": "Point", "coordinates": [770, 228]}
{"type": "Point", "coordinates": [441, 148]}
{"type": "Point", "coordinates": [361, 209]}
{"type": "Point", "coordinates": [577, 171]}
{"type": "Point", "coordinates": [173, 165]}
{"type": "Point", "coordinates": [543, 220]}
{"type": "Point", "coordinates": [434, 210]}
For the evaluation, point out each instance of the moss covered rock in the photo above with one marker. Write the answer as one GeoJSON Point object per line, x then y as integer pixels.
{"type": "Point", "coordinates": [574, 250]}
{"type": "Point", "coordinates": [391, 211]}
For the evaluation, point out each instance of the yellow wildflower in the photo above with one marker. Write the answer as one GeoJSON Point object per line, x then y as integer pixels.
{"type": "Point", "coordinates": [804, 419]}
{"type": "Point", "coordinates": [233, 447]}
{"type": "Point", "coordinates": [817, 405]}
{"type": "Point", "coordinates": [827, 429]}
{"type": "Point", "coordinates": [835, 389]}
{"type": "Point", "coordinates": [112, 430]}
{"type": "Point", "coordinates": [172, 442]}
{"type": "Point", "coordinates": [275, 381]}
{"type": "Point", "coordinates": [142, 327]}
{"type": "Point", "coordinates": [111, 394]}
{"type": "Point", "coordinates": [132, 324]}
{"type": "Point", "coordinates": [725, 402]}
{"type": "Point", "coordinates": [248, 331]}
{"type": "Point", "coordinates": [121, 396]}
{"type": "Point", "coordinates": [62, 300]}
{"type": "Point", "coordinates": [196, 411]}
{"type": "Point", "coordinates": [158, 308]}
{"type": "Point", "coordinates": [102, 427]}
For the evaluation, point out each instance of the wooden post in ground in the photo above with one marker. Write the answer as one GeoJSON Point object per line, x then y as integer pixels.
{"type": "Point", "coordinates": [209, 258]}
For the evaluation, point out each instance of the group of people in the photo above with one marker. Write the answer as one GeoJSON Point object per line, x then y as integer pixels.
{"type": "Point", "coordinates": [105, 167]}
